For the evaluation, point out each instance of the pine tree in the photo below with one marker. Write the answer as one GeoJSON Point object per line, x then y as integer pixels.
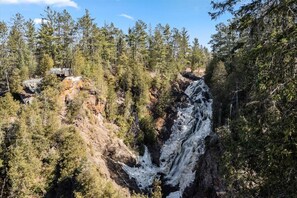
{"type": "Point", "coordinates": [8, 110]}
{"type": "Point", "coordinates": [111, 103]}
{"type": "Point", "coordinates": [79, 63]}
{"type": "Point", "coordinates": [158, 54]}
{"type": "Point", "coordinates": [65, 37]}
{"type": "Point", "coordinates": [23, 165]}
{"type": "Point", "coordinates": [109, 48]}
{"type": "Point", "coordinates": [257, 48]}
{"type": "Point", "coordinates": [46, 43]}
{"type": "Point", "coordinates": [15, 81]}
{"type": "Point", "coordinates": [18, 53]}
{"type": "Point", "coordinates": [30, 35]}
{"type": "Point", "coordinates": [45, 64]}
{"type": "Point", "coordinates": [197, 56]}
{"type": "Point", "coordinates": [3, 55]}
{"type": "Point", "coordinates": [86, 29]}
{"type": "Point", "coordinates": [136, 39]}
{"type": "Point", "coordinates": [72, 151]}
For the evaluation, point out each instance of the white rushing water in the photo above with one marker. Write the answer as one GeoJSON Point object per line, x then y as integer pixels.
{"type": "Point", "coordinates": [181, 152]}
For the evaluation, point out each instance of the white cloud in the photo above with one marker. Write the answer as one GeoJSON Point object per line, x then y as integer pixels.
{"type": "Point", "coordinates": [39, 21]}
{"type": "Point", "coordinates": [127, 16]}
{"type": "Point", "coordinates": [58, 3]}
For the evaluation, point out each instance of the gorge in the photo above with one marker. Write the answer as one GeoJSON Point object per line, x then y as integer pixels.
{"type": "Point", "coordinates": [180, 153]}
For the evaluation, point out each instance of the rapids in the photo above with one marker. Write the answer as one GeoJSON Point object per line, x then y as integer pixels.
{"type": "Point", "coordinates": [181, 152]}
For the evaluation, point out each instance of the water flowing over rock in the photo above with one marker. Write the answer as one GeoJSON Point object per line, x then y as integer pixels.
{"type": "Point", "coordinates": [181, 152]}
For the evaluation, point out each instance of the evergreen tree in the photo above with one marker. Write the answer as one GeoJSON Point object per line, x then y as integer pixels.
{"type": "Point", "coordinates": [65, 38]}
{"type": "Point", "coordinates": [23, 165]}
{"type": "Point", "coordinates": [85, 30]}
{"type": "Point", "coordinates": [136, 40]}
{"type": "Point", "coordinates": [111, 103]}
{"type": "Point", "coordinates": [79, 63]}
{"type": "Point", "coordinates": [30, 35]}
{"type": "Point", "coordinates": [197, 56]}
{"type": "Point", "coordinates": [158, 54]}
{"type": "Point", "coordinates": [18, 53]}
{"type": "Point", "coordinates": [122, 63]}
{"type": "Point", "coordinates": [3, 55]}
{"type": "Point", "coordinates": [45, 64]}
{"type": "Point", "coordinates": [46, 43]}
{"type": "Point", "coordinates": [181, 48]}
{"type": "Point", "coordinates": [15, 81]}
{"type": "Point", "coordinates": [109, 47]}
{"type": "Point", "coordinates": [72, 151]}
{"type": "Point", "coordinates": [257, 47]}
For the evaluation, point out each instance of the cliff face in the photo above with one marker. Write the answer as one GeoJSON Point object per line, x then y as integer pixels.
{"type": "Point", "coordinates": [108, 152]}
{"type": "Point", "coordinates": [208, 182]}
{"type": "Point", "coordinates": [104, 149]}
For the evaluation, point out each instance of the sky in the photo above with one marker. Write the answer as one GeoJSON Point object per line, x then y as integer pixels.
{"type": "Point", "coordinates": [191, 14]}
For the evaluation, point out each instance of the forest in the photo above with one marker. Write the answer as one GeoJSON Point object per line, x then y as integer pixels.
{"type": "Point", "coordinates": [253, 80]}
{"type": "Point", "coordinates": [42, 154]}
{"type": "Point", "coordinates": [251, 72]}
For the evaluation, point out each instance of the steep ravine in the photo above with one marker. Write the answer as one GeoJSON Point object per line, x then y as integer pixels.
{"type": "Point", "coordinates": [188, 159]}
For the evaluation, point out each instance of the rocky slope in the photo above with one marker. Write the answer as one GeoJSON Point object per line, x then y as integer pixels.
{"type": "Point", "coordinates": [108, 153]}
{"type": "Point", "coordinates": [104, 149]}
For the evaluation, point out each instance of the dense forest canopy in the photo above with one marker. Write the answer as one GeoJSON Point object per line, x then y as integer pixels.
{"type": "Point", "coordinates": [42, 153]}
{"type": "Point", "coordinates": [253, 78]}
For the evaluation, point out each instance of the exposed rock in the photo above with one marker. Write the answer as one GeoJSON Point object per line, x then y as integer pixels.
{"type": "Point", "coordinates": [190, 75]}
{"type": "Point", "coordinates": [32, 85]}
{"type": "Point", "coordinates": [208, 182]}
{"type": "Point", "coordinates": [61, 72]}
{"type": "Point", "coordinates": [104, 149]}
{"type": "Point", "coordinates": [108, 152]}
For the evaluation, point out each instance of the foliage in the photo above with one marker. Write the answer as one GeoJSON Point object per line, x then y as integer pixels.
{"type": "Point", "coordinates": [89, 180]}
{"type": "Point", "coordinates": [164, 100]}
{"type": "Point", "coordinates": [42, 153]}
{"type": "Point", "coordinates": [111, 104]}
{"type": "Point", "coordinates": [147, 127]}
{"type": "Point", "coordinates": [15, 81]}
{"type": "Point", "coordinates": [157, 190]}
{"type": "Point", "coordinates": [9, 109]}
{"type": "Point", "coordinates": [259, 98]}
{"type": "Point", "coordinates": [45, 64]}
{"type": "Point", "coordinates": [74, 108]}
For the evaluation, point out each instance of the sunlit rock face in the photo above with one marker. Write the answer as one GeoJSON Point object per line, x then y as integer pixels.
{"type": "Point", "coordinates": [180, 153]}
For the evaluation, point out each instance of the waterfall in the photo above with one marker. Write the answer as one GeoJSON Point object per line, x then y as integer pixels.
{"type": "Point", "coordinates": [181, 152]}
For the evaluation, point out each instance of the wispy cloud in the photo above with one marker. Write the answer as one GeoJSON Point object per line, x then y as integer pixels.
{"type": "Point", "coordinates": [127, 16]}
{"type": "Point", "coordinates": [58, 3]}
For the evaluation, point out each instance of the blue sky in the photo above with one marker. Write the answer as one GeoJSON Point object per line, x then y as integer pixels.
{"type": "Point", "coordinates": [191, 14]}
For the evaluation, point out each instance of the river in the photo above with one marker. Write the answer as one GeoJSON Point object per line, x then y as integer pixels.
{"type": "Point", "coordinates": [180, 153]}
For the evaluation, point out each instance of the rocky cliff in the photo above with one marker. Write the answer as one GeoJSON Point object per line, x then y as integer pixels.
{"type": "Point", "coordinates": [109, 154]}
